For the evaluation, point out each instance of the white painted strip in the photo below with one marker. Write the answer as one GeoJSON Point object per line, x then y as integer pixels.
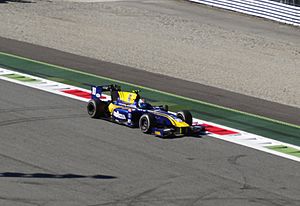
{"type": "Point", "coordinates": [242, 138]}
{"type": "Point", "coordinates": [266, 9]}
{"type": "Point", "coordinates": [3, 72]}
{"type": "Point", "coordinates": [44, 84]}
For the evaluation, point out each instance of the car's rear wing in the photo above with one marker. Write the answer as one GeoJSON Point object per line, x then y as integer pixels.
{"type": "Point", "coordinates": [96, 91]}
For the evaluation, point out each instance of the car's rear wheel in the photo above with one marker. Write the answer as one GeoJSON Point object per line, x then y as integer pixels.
{"type": "Point", "coordinates": [96, 108]}
{"type": "Point", "coordinates": [146, 123]}
{"type": "Point", "coordinates": [185, 116]}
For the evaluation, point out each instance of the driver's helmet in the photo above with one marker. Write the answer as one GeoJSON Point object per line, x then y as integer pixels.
{"type": "Point", "coordinates": [143, 104]}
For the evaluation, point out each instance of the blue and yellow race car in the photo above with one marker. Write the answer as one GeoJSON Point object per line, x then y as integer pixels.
{"type": "Point", "coordinates": [128, 108]}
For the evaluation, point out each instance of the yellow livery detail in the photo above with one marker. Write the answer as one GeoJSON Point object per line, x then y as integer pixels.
{"type": "Point", "coordinates": [157, 133]}
{"type": "Point", "coordinates": [127, 97]}
{"type": "Point", "coordinates": [173, 121]}
{"type": "Point", "coordinates": [112, 107]}
{"type": "Point", "coordinates": [179, 124]}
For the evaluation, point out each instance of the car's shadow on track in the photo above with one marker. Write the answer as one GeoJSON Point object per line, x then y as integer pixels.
{"type": "Point", "coordinates": [180, 137]}
{"type": "Point", "coordinates": [53, 176]}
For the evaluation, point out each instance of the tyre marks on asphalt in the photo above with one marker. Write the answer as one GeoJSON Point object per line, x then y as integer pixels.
{"type": "Point", "coordinates": [33, 108]}
{"type": "Point", "coordinates": [167, 177]}
{"type": "Point", "coordinates": [233, 160]}
{"type": "Point", "coordinates": [35, 119]}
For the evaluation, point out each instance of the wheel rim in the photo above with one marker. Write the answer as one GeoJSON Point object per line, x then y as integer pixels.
{"type": "Point", "coordinates": [144, 124]}
{"type": "Point", "coordinates": [180, 117]}
{"type": "Point", "coordinates": [91, 108]}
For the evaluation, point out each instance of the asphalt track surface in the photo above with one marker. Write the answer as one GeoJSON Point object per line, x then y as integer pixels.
{"type": "Point", "coordinates": [52, 153]}
{"type": "Point", "coordinates": [156, 81]}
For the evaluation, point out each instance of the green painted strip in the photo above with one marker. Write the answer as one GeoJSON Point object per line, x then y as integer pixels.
{"type": "Point", "coordinates": [274, 129]}
{"type": "Point", "coordinates": [285, 149]}
{"type": "Point", "coordinates": [20, 78]}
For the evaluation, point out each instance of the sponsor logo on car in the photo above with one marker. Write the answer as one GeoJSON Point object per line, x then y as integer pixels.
{"type": "Point", "coordinates": [117, 114]}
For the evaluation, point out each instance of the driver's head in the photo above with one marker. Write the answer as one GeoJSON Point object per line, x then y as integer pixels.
{"type": "Point", "coordinates": [141, 103]}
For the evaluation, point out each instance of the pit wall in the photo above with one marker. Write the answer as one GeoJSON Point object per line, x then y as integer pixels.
{"type": "Point", "coordinates": [262, 8]}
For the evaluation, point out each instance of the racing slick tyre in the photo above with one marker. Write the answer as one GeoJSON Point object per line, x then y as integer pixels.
{"type": "Point", "coordinates": [96, 108]}
{"type": "Point", "coordinates": [146, 123]}
{"type": "Point", "coordinates": [186, 116]}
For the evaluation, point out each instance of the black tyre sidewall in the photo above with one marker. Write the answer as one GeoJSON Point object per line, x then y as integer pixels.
{"type": "Point", "coordinates": [96, 108]}
{"type": "Point", "coordinates": [92, 108]}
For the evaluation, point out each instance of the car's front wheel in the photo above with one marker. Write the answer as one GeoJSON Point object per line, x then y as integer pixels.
{"type": "Point", "coordinates": [146, 123]}
{"type": "Point", "coordinates": [186, 116]}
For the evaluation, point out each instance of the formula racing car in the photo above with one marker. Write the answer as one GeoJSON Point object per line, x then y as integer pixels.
{"type": "Point", "coordinates": [128, 108]}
